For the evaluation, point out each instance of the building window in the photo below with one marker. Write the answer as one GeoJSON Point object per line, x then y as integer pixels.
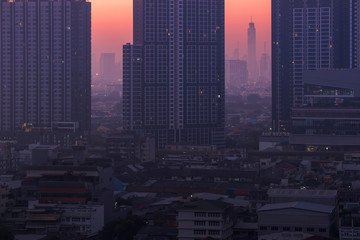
{"type": "Point", "coordinates": [298, 229]}
{"type": "Point", "coordinates": [274, 228]}
{"type": "Point", "coordinates": [310, 229]}
{"type": "Point", "coordinates": [199, 232]}
{"type": "Point", "coordinates": [286, 228]}
{"type": "Point", "coordinates": [214, 232]}
{"type": "Point", "coordinates": [214, 223]}
{"type": "Point", "coordinates": [263, 228]}
{"type": "Point", "coordinates": [214, 215]}
{"type": "Point", "coordinates": [322, 230]}
{"type": "Point", "coordinates": [200, 214]}
{"type": "Point", "coordinates": [199, 223]}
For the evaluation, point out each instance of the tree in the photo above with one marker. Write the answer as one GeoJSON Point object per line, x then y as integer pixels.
{"type": "Point", "coordinates": [122, 229]}
{"type": "Point", "coordinates": [5, 233]}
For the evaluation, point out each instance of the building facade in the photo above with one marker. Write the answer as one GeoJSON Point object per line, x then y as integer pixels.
{"type": "Point", "coordinates": [107, 67]}
{"type": "Point", "coordinates": [176, 67]}
{"type": "Point", "coordinates": [349, 224]}
{"type": "Point", "coordinates": [308, 35]}
{"type": "Point", "coordinates": [236, 73]}
{"type": "Point", "coordinates": [131, 146]}
{"type": "Point", "coordinates": [329, 117]}
{"type": "Point", "coordinates": [295, 220]}
{"type": "Point", "coordinates": [205, 219]}
{"type": "Point", "coordinates": [45, 60]}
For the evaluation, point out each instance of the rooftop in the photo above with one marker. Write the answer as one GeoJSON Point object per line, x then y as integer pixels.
{"type": "Point", "coordinates": [276, 192]}
{"type": "Point", "coordinates": [298, 205]}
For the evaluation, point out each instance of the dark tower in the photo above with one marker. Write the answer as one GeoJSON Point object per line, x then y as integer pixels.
{"type": "Point", "coordinates": [45, 74]}
{"type": "Point", "coordinates": [308, 35]}
{"type": "Point", "coordinates": [182, 75]}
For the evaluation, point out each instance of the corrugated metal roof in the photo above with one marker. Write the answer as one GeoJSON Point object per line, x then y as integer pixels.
{"type": "Point", "coordinates": [298, 205]}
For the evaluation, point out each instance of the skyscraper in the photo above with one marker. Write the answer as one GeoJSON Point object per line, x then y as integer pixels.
{"type": "Point", "coordinates": [236, 54]}
{"type": "Point", "coordinates": [107, 67]}
{"type": "Point", "coordinates": [45, 59]}
{"type": "Point", "coordinates": [358, 33]}
{"type": "Point", "coordinates": [236, 75]}
{"type": "Point", "coordinates": [251, 58]}
{"type": "Point", "coordinates": [265, 72]}
{"type": "Point", "coordinates": [175, 69]}
{"type": "Point", "coordinates": [308, 35]}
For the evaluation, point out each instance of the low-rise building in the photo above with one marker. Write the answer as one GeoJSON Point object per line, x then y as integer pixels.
{"type": "Point", "coordinates": [131, 146]}
{"type": "Point", "coordinates": [9, 158]}
{"type": "Point", "coordinates": [85, 220]}
{"type": "Point", "coordinates": [295, 221]}
{"type": "Point", "coordinates": [202, 219]}
{"type": "Point", "coordinates": [5, 201]}
{"type": "Point", "coordinates": [349, 226]}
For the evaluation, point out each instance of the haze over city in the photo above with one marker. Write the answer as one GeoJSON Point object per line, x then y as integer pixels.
{"type": "Point", "coordinates": [171, 120]}
{"type": "Point", "coordinates": [112, 25]}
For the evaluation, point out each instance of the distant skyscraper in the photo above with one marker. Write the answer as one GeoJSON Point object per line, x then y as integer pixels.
{"type": "Point", "coordinates": [265, 73]}
{"type": "Point", "coordinates": [107, 67]}
{"type": "Point", "coordinates": [236, 74]}
{"type": "Point", "coordinates": [174, 75]}
{"type": "Point", "coordinates": [236, 54]}
{"type": "Point", "coordinates": [308, 35]}
{"type": "Point", "coordinates": [251, 58]}
{"type": "Point", "coordinates": [45, 59]}
{"type": "Point", "coordinates": [94, 65]}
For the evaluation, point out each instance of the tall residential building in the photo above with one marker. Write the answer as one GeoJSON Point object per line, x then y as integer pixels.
{"type": "Point", "coordinates": [308, 35]}
{"type": "Point", "coordinates": [45, 59]}
{"type": "Point", "coordinates": [358, 33]}
{"type": "Point", "coordinates": [251, 58]}
{"type": "Point", "coordinates": [107, 67]}
{"type": "Point", "coordinates": [174, 76]}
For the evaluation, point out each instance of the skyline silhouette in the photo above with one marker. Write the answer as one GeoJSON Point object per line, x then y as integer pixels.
{"type": "Point", "coordinates": [111, 32]}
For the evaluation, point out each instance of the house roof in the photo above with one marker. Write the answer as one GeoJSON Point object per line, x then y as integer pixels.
{"type": "Point", "coordinates": [298, 205]}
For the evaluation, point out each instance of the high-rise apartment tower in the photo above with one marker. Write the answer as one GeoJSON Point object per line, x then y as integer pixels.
{"type": "Point", "coordinates": [308, 35]}
{"type": "Point", "coordinates": [45, 65]}
{"type": "Point", "coordinates": [174, 75]}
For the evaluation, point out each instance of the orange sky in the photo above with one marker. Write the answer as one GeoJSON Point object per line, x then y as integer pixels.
{"type": "Point", "coordinates": [112, 24]}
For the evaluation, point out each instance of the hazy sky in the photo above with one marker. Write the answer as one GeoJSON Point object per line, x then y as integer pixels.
{"type": "Point", "coordinates": [112, 24]}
